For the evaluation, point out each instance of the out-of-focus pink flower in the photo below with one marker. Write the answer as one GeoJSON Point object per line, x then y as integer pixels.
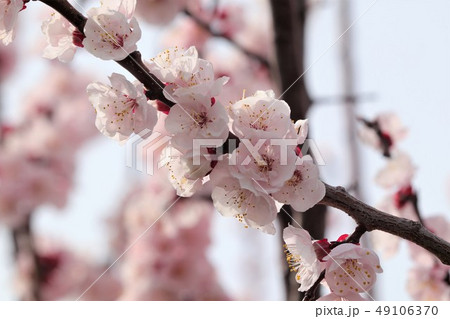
{"type": "Point", "coordinates": [398, 172]}
{"type": "Point", "coordinates": [186, 33]}
{"type": "Point", "coordinates": [159, 11]}
{"type": "Point", "coordinates": [169, 262]}
{"type": "Point", "coordinates": [391, 129]}
{"type": "Point", "coordinates": [59, 34]}
{"type": "Point", "coordinates": [63, 275]}
{"type": "Point", "coordinates": [429, 283]}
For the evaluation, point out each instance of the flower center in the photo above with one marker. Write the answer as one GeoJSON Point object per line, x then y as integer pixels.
{"type": "Point", "coordinates": [265, 163]}
{"type": "Point", "coordinates": [296, 179]}
{"type": "Point", "coordinates": [201, 119]}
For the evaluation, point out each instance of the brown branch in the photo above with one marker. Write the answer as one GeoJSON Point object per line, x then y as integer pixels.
{"type": "Point", "coordinates": [133, 62]}
{"type": "Point", "coordinates": [312, 293]}
{"type": "Point", "coordinates": [205, 26]}
{"type": "Point", "coordinates": [289, 20]}
{"type": "Point", "coordinates": [373, 219]}
{"type": "Point", "coordinates": [24, 244]}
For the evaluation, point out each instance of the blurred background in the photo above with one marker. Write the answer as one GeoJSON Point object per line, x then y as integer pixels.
{"type": "Point", "coordinates": [69, 186]}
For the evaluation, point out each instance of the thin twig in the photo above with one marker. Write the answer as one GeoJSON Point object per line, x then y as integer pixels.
{"type": "Point", "coordinates": [205, 26]}
{"type": "Point", "coordinates": [373, 219]}
{"type": "Point", "coordinates": [24, 244]}
{"type": "Point", "coordinates": [311, 294]}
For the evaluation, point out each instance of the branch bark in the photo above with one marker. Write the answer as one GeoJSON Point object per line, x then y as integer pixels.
{"type": "Point", "coordinates": [289, 20]}
{"type": "Point", "coordinates": [24, 244]}
{"type": "Point", "coordinates": [373, 219]}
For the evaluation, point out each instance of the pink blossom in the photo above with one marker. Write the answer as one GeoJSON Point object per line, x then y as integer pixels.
{"type": "Point", "coordinates": [429, 284]}
{"type": "Point", "coordinates": [252, 208]}
{"type": "Point", "coordinates": [122, 108]}
{"type": "Point", "coordinates": [59, 35]}
{"type": "Point", "coordinates": [160, 11]}
{"type": "Point", "coordinates": [193, 117]}
{"type": "Point", "coordinates": [64, 274]}
{"type": "Point", "coordinates": [185, 73]}
{"type": "Point", "coordinates": [184, 176]}
{"type": "Point", "coordinates": [170, 262]}
{"type": "Point", "coordinates": [398, 172]}
{"type": "Point", "coordinates": [390, 127]}
{"type": "Point", "coordinates": [263, 167]}
{"type": "Point", "coordinates": [186, 33]}
{"type": "Point", "coordinates": [9, 10]}
{"type": "Point", "coordinates": [301, 257]}
{"type": "Point", "coordinates": [63, 98]}
{"type": "Point", "coordinates": [304, 189]}
{"type": "Point", "coordinates": [111, 34]}
{"type": "Point", "coordinates": [261, 116]}
{"type": "Point", "coordinates": [351, 269]}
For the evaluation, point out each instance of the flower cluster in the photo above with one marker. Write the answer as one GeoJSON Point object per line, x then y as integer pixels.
{"type": "Point", "coordinates": [38, 154]}
{"type": "Point", "coordinates": [170, 262]}
{"type": "Point", "coordinates": [251, 183]}
{"type": "Point", "coordinates": [111, 33]}
{"type": "Point", "coordinates": [64, 274]}
{"type": "Point", "coordinates": [264, 172]}
{"type": "Point", "coordinates": [350, 269]}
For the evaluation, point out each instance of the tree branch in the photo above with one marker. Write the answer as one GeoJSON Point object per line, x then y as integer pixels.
{"type": "Point", "coordinates": [289, 20]}
{"type": "Point", "coordinates": [373, 219]}
{"type": "Point", "coordinates": [133, 62]}
{"type": "Point", "coordinates": [24, 244]}
{"type": "Point", "coordinates": [311, 294]}
{"type": "Point", "coordinates": [205, 26]}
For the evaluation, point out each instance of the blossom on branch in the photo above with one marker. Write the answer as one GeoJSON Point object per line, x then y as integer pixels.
{"type": "Point", "coordinates": [122, 108]}
{"type": "Point", "coordinates": [254, 209]}
{"type": "Point", "coordinates": [262, 116]}
{"type": "Point", "coordinates": [301, 256]}
{"type": "Point", "coordinates": [111, 34]}
{"type": "Point", "coordinates": [351, 269]}
{"type": "Point", "coordinates": [193, 117]}
{"type": "Point", "coordinates": [184, 73]}
{"type": "Point", "coordinates": [304, 189]}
